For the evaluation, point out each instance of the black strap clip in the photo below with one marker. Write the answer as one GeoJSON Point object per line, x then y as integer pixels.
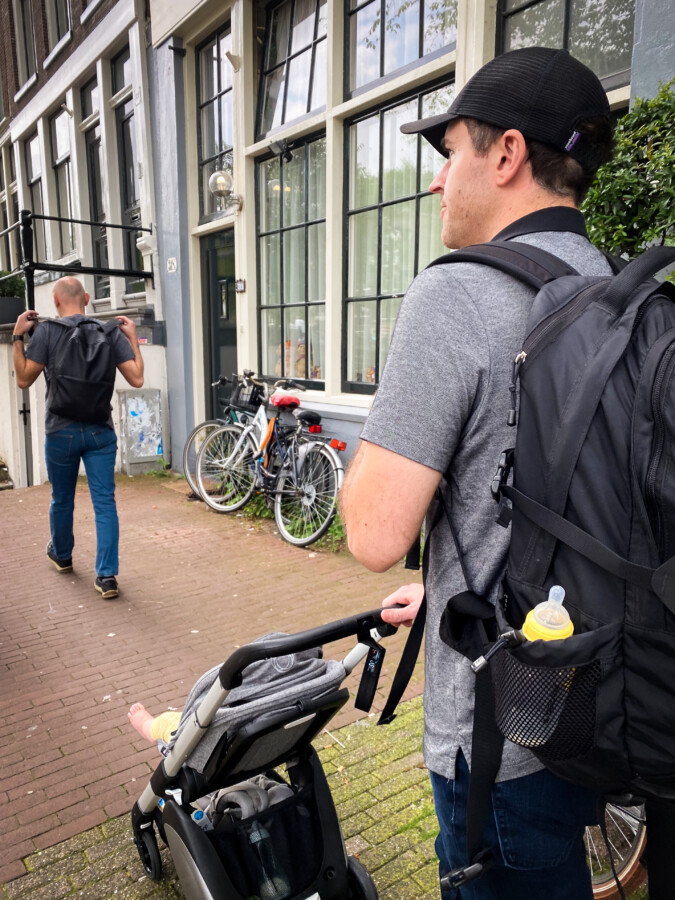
{"type": "Point", "coordinates": [370, 676]}
{"type": "Point", "coordinates": [501, 476]}
{"type": "Point", "coordinates": [481, 862]}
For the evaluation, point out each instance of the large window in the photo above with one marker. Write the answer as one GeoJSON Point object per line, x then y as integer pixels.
{"type": "Point", "coordinates": [25, 40]}
{"type": "Point", "coordinates": [386, 35]}
{"type": "Point", "coordinates": [127, 155]}
{"type": "Point", "coordinates": [57, 21]}
{"type": "Point", "coordinates": [292, 262]}
{"type": "Point", "coordinates": [60, 137]}
{"type": "Point", "coordinates": [215, 118]}
{"type": "Point", "coordinates": [34, 178]}
{"type": "Point", "coordinates": [89, 102]}
{"type": "Point", "coordinates": [597, 32]}
{"type": "Point", "coordinates": [393, 226]}
{"type": "Point", "coordinates": [294, 71]}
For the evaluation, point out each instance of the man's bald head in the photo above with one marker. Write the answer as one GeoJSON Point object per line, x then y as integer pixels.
{"type": "Point", "coordinates": [69, 296]}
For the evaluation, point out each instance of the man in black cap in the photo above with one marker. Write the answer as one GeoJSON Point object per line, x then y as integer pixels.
{"type": "Point", "coordinates": [522, 141]}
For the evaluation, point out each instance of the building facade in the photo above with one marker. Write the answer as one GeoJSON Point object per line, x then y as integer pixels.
{"type": "Point", "coordinates": [75, 144]}
{"type": "Point", "coordinates": [294, 106]}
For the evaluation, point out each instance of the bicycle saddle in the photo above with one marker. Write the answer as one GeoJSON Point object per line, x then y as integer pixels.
{"type": "Point", "coordinates": [307, 415]}
{"type": "Point", "coordinates": [284, 400]}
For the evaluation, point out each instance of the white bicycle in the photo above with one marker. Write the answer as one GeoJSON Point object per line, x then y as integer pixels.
{"type": "Point", "coordinates": [281, 456]}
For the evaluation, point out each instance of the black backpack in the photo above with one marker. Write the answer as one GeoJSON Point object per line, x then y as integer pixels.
{"type": "Point", "coordinates": [82, 371]}
{"type": "Point", "coordinates": [591, 507]}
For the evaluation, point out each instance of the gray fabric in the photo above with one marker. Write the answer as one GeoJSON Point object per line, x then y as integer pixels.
{"type": "Point", "coordinates": [41, 350]}
{"type": "Point", "coordinates": [267, 685]}
{"type": "Point", "coordinates": [444, 399]}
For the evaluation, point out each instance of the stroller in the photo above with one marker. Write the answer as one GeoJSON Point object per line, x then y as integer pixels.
{"type": "Point", "coordinates": [223, 759]}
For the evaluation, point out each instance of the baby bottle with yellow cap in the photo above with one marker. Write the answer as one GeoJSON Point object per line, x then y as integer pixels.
{"type": "Point", "coordinates": [549, 620]}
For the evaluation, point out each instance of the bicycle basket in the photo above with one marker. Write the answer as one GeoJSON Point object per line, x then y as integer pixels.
{"type": "Point", "coordinates": [246, 397]}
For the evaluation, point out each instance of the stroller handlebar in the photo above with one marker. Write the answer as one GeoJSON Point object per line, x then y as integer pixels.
{"type": "Point", "coordinates": [361, 625]}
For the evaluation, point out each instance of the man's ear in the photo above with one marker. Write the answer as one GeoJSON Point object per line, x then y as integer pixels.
{"type": "Point", "coordinates": [86, 297]}
{"type": "Point", "coordinates": [511, 156]}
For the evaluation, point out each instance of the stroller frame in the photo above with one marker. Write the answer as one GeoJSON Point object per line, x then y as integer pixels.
{"type": "Point", "coordinates": [271, 740]}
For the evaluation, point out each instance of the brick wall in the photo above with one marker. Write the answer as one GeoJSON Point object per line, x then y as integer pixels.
{"type": "Point", "coordinates": [8, 60]}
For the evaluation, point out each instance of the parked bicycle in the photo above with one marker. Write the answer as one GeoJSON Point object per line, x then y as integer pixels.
{"type": "Point", "coordinates": [282, 457]}
{"type": "Point", "coordinates": [193, 444]}
{"type": "Point", "coordinates": [626, 841]}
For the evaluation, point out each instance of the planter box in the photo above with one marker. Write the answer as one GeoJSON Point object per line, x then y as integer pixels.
{"type": "Point", "coordinates": [10, 309]}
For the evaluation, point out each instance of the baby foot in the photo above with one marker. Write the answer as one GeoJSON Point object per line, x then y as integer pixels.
{"type": "Point", "coordinates": [141, 719]}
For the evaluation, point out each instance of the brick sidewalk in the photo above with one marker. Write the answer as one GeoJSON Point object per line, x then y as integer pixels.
{"type": "Point", "coordinates": [194, 586]}
{"type": "Point", "coordinates": [383, 798]}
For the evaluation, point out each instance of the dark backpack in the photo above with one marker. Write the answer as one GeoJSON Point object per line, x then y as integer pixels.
{"type": "Point", "coordinates": [82, 371]}
{"type": "Point", "coordinates": [591, 507]}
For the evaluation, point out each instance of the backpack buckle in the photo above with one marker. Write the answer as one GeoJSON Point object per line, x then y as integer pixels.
{"type": "Point", "coordinates": [501, 476]}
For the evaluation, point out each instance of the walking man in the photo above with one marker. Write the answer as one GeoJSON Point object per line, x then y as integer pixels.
{"type": "Point", "coordinates": [71, 438]}
{"type": "Point", "coordinates": [522, 143]}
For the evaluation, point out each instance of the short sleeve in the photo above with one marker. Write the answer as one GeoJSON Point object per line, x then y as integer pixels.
{"type": "Point", "coordinates": [38, 346]}
{"type": "Point", "coordinates": [435, 375]}
{"type": "Point", "coordinates": [121, 347]}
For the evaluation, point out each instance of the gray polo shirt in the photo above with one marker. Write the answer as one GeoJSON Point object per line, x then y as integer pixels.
{"type": "Point", "coordinates": [443, 401]}
{"type": "Point", "coordinates": [41, 350]}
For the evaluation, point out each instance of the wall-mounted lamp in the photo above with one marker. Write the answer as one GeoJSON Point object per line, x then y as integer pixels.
{"type": "Point", "coordinates": [221, 185]}
{"type": "Point", "coordinates": [280, 148]}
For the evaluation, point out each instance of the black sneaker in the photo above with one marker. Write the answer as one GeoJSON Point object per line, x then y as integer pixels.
{"type": "Point", "coordinates": [63, 565]}
{"type": "Point", "coordinates": [106, 585]}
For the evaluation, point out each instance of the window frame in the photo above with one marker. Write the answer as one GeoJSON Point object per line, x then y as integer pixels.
{"type": "Point", "coordinates": [93, 143]}
{"type": "Point", "coordinates": [131, 212]}
{"type": "Point", "coordinates": [59, 163]}
{"type": "Point", "coordinates": [264, 72]}
{"type": "Point", "coordinates": [609, 82]}
{"type": "Point", "coordinates": [33, 183]}
{"type": "Point", "coordinates": [54, 32]}
{"type": "Point", "coordinates": [422, 58]}
{"type": "Point", "coordinates": [220, 157]}
{"type": "Point", "coordinates": [317, 384]}
{"type": "Point", "coordinates": [25, 41]}
{"type": "Point", "coordinates": [359, 387]}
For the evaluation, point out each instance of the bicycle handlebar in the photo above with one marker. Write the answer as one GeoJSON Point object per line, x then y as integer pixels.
{"type": "Point", "coordinates": [222, 381]}
{"type": "Point", "coordinates": [303, 640]}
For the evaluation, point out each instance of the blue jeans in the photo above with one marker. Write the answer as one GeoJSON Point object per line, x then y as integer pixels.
{"type": "Point", "coordinates": [535, 828]}
{"type": "Point", "coordinates": [96, 446]}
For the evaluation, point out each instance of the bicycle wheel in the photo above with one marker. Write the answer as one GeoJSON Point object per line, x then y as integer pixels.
{"type": "Point", "coordinates": [304, 509]}
{"type": "Point", "coordinates": [627, 838]}
{"type": "Point", "coordinates": [191, 450]}
{"type": "Point", "coordinates": [226, 484]}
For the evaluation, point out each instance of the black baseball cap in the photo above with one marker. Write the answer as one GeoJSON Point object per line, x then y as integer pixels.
{"type": "Point", "coordinates": [542, 92]}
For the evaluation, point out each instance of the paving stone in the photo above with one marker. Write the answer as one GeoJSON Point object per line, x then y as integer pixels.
{"type": "Point", "coordinates": [65, 848]}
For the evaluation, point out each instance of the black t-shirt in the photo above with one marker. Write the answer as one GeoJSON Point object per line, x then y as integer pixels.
{"type": "Point", "coordinates": [42, 347]}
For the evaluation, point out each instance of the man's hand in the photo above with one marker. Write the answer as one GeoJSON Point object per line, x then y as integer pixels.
{"type": "Point", "coordinates": [128, 328]}
{"type": "Point", "coordinates": [25, 322]}
{"type": "Point", "coordinates": [410, 595]}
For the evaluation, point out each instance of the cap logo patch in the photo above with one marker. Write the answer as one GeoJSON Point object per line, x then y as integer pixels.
{"type": "Point", "coordinates": [572, 141]}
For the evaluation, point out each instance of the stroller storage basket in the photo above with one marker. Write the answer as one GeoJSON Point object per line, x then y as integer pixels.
{"type": "Point", "coordinates": [275, 853]}
{"type": "Point", "coordinates": [550, 710]}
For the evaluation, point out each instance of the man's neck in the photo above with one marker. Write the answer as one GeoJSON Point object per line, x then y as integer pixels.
{"type": "Point", "coordinates": [513, 213]}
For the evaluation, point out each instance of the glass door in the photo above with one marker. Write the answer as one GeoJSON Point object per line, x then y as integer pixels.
{"type": "Point", "coordinates": [220, 315]}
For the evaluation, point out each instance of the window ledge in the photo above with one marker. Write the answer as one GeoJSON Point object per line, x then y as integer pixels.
{"type": "Point", "coordinates": [87, 123]}
{"type": "Point", "coordinates": [65, 40]}
{"type": "Point", "coordinates": [121, 96]}
{"type": "Point", "coordinates": [23, 90]}
{"type": "Point", "coordinates": [89, 11]}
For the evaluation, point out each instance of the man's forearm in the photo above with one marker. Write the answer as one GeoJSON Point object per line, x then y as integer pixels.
{"type": "Point", "coordinates": [20, 364]}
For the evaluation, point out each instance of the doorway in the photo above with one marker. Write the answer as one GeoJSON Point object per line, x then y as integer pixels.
{"type": "Point", "coordinates": [220, 316]}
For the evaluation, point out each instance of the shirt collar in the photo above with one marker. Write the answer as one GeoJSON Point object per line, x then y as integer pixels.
{"type": "Point", "coordinates": [554, 218]}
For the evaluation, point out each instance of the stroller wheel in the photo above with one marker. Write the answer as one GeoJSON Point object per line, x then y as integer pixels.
{"type": "Point", "coordinates": [149, 853]}
{"type": "Point", "coordinates": [361, 885]}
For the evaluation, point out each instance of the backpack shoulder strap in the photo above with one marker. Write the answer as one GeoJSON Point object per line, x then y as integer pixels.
{"type": "Point", "coordinates": [110, 326]}
{"type": "Point", "coordinates": [529, 264]}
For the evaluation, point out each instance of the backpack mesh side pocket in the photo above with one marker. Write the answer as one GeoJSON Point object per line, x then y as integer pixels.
{"type": "Point", "coordinates": [550, 710]}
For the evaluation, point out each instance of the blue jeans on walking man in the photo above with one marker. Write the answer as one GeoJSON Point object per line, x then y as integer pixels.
{"type": "Point", "coordinates": [96, 446]}
{"type": "Point", "coordinates": [535, 828]}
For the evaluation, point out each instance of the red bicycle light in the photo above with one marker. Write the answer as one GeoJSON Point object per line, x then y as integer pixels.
{"type": "Point", "coordinates": [315, 429]}
{"type": "Point", "coordinates": [338, 445]}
